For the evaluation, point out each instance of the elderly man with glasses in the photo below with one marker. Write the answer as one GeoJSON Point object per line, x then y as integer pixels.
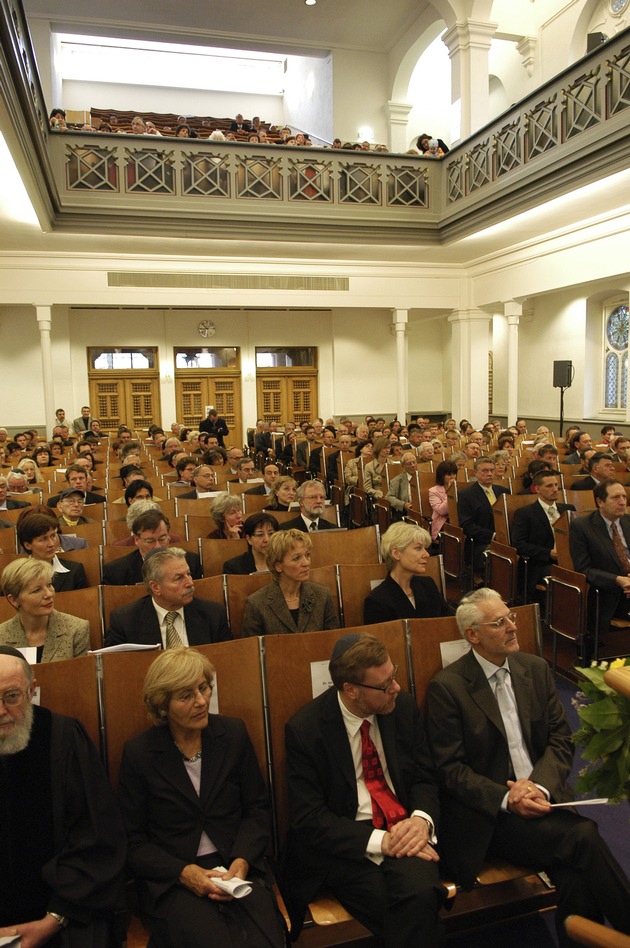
{"type": "Point", "coordinates": [363, 800]}
{"type": "Point", "coordinates": [61, 835]}
{"type": "Point", "coordinates": [503, 751]}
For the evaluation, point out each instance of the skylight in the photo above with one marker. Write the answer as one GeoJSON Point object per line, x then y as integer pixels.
{"type": "Point", "coordinates": [131, 62]}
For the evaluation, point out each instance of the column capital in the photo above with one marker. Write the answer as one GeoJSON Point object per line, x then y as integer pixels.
{"type": "Point", "coordinates": [469, 316]}
{"type": "Point", "coordinates": [469, 33]}
{"type": "Point", "coordinates": [398, 112]}
{"type": "Point", "coordinates": [512, 308]}
{"type": "Point", "coordinates": [400, 317]}
{"type": "Point", "coordinates": [526, 48]}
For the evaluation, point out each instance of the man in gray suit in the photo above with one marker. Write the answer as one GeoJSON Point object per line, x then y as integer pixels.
{"type": "Point", "coordinates": [399, 493]}
{"type": "Point", "coordinates": [503, 752]}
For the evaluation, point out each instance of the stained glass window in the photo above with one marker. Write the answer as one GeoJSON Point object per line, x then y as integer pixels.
{"type": "Point", "coordinates": [616, 357]}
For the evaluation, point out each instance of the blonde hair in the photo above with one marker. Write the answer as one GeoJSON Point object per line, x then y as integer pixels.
{"type": "Point", "coordinates": [38, 476]}
{"type": "Point", "coordinates": [280, 544]}
{"type": "Point", "coordinates": [398, 537]}
{"type": "Point", "coordinates": [17, 574]}
{"type": "Point", "coordinates": [172, 670]}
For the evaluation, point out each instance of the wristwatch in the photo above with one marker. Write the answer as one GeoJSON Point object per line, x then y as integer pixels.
{"type": "Point", "coordinates": [61, 920]}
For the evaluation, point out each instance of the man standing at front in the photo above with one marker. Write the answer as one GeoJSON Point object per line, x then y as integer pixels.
{"type": "Point", "coordinates": [503, 753]}
{"type": "Point", "coordinates": [363, 800]}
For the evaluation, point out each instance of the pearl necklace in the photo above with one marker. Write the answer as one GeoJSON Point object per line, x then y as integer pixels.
{"type": "Point", "coordinates": [189, 760]}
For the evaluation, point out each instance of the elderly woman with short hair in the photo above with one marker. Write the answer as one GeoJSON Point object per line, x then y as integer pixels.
{"type": "Point", "coordinates": [227, 512]}
{"type": "Point", "coordinates": [290, 603]}
{"type": "Point", "coordinates": [406, 593]}
{"type": "Point", "coordinates": [27, 585]}
{"type": "Point", "coordinates": [196, 812]}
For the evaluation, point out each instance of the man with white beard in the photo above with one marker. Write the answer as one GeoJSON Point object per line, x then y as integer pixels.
{"type": "Point", "coordinates": [61, 835]}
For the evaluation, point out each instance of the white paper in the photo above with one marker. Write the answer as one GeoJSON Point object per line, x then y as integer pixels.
{"type": "Point", "coordinates": [451, 651]}
{"type": "Point", "coordinates": [10, 941]}
{"type": "Point", "coordinates": [124, 647]}
{"type": "Point", "coordinates": [320, 678]}
{"type": "Point", "coordinates": [237, 888]}
{"type": "Point", "coordinates": [30, 653]}
{"type": "Point", "coordinates": [594, 802]}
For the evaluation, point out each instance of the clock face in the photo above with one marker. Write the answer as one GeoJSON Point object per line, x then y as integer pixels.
{"type": "Point", "coordinates": [206, 328]}
{"type": "Point", "coordinates": [617, 6]}
{"type": "Point", "coordinates": [617, 328]}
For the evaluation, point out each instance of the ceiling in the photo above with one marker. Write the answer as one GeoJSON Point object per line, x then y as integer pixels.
{"type": "Point", "coordinates": [354, 24]}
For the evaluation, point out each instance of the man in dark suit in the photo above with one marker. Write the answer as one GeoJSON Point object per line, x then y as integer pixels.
{"type": "Point", "coordinates": [474, 507]}
{"type": "Point", "coordinates": [169, 616]}
{"type": "Point", "coordinates": [9, 504]}
{"type": "Point", "coordinates": [76, 476]}
{"type": "Point", "coordinates": [363, 800]}
{"type": "Point", "coordinates": [204, 481]}
{"type": "Point", "coordinates": [532, 530]}
{"type": "Point", "coordinates": [150, 532]}
{"type": "Point", "coordinates": [579, 442]}
{"type": "Point", "coordinates": [602, 556]}
{"type": "Point", "coordinates": [302, 449]}
{"type": "Point", "coordinates": [600, 466]}
{"type": "Point", "coordinates": [503, 753]}
{"type": "Point", "coordinates": [315, 461]}
{"type": "Point", "coordinates": [271, 474]}
{"type": "Point", "coordinates": [216, 426]}
{"type": "Point", "coordinates": [312, 499]}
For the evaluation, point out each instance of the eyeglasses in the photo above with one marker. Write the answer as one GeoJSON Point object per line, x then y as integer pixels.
{"type": "Point", "coordinates": [502, 621]}
{"type": "Point", "coordinates": [186, 697]}
{"type": "Point", "coordinates": [12, 698]}
{"type": "Point", "coordinates": [384, 687]}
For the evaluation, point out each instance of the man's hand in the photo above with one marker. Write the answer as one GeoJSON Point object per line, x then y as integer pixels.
{"type": "Point", "coordinates": [624, 582]}
{"type": "Point", "coordinates": [410, 837]}
{"type": "Point", "coordinates": [527, 800]}
{"type": "Point", "coordinates": [200, 882]}
{"type": "Point", "coordinates": [33, 934]}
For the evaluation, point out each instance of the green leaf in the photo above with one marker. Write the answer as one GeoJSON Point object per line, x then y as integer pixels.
{"type": "Point", "coordinates": [604, 743]}
{"type": "Point", "coordinates": [604, 714]}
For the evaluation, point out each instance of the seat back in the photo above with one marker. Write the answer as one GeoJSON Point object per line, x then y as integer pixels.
{"type": "Point", "coordinates": [356, 582]}
{"type": "Point", "coordinates": [70, 687]}
{"type": "Point", "coordinates": [92, 532]}
{"type": "Point", "coordinates": [567, 606]}
{"type": "Point", "coordinates": [113, 597]}
{"type": "Point", "coordinates": [84, 604]}
{"type": "Point", "coordinates": [214, 553]}
{"type": "Point", "coordinates": [238, 588]}
{"type": "Point", "coordinates": [502, 570]}
{"type": "Point", "coordinates": [91, 560]}
{"type": "Point", "coordinates": [345, 546]}
{"type": "Point", "coordinates": [561, 534]}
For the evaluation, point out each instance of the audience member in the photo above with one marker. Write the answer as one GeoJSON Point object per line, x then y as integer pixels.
{"type": "Point", "coordinates": [258, 530]}
{"type": "Point", "coordinates": [151, 531]}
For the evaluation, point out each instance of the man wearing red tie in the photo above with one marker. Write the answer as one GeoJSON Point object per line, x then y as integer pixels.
{"type": "Point", "coordinates": [363, 799]}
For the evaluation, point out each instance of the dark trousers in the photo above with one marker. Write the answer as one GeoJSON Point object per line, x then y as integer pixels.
{"type": "Point", "coordinates": [398, 901]}
{"type": "Point", "coordinates": [588, 879]}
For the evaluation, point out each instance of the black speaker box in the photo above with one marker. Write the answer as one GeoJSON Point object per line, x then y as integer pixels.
{"type": "Point", "coordinates": [562, 374]}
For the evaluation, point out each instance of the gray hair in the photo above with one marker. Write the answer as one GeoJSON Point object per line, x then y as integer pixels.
{"type": "Point", "coordinates": [19, 476]}
{"type": "Point", "coordinates": [153, 566]}
{"type": "Point", "coordinates": [138, 507]}
{"type": "Point", "coordinates": [305, 486]}
{"type": "Point", "coordinates": [217, 136]}
{"type": "Point", "coordinates": [224, 504]}
{"type": "Point", "coordinates": [468, 613]}
{"type": "Point", "coordinates": [483, 459]}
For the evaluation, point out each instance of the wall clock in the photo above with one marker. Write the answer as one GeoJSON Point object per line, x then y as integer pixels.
{"type": "Point", "coordinates": [206, 328]}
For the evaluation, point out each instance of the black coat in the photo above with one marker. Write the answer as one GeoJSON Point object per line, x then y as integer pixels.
{"type": "Point", "coordinates": [388, 601]}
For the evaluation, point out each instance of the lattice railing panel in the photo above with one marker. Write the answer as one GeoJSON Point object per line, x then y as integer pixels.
{"type": "Point", "coordinates": [150, 171]}
{"type": "Point", "coordinates": [407, 187]}
{"type": "Point", "coordinates": [359, 184]}
{"type": "Point", "coordinates": [91, 168]}
{"type": "Point", "coordinates": [310, 181]}
{"type": "Point", "coordinates": [618, 82]}
{"type": "Point", "coordinates": [206, 174]}
{"type": "Point", "coordinates": [582, 107]}
{"type": "Point", "coordinates": [479, 168]}
{"type": "Point", "coordinates": [508, 149]}
{"type": "Point", "coordinates": [259, 178]}
{"type": "Point", "coordinates": [541, 129]}
{"type": "Point", "coordinates": [456, 178]}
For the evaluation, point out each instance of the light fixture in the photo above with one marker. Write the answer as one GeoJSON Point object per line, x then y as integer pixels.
{"type": "Point", "coordinates": [310, 3]}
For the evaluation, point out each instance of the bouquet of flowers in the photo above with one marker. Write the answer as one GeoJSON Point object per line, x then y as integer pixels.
{"type": "Point", "coordinates": [604, 734]}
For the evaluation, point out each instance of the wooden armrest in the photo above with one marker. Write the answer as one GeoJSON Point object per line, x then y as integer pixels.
{"type": "Point", "coordinates": [589, 933]}
{"type": "Point", "coordinates": [326, 910]}
{"type": "Point", "coordinates": [500, 871]}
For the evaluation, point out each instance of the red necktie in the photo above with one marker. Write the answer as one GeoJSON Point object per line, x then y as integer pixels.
{"type": "Point", "coordinates": [386, 808]}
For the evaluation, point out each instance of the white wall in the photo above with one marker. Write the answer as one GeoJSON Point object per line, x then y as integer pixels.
{"type": "Point", "coordinates": [500, 365]}
{"type": "Point", "coordinates": [308, 96]}
{"type": "Point", "coordinates": [117, 97]}
{"type": "Point", "coordinates": [430, 93]}
{"type": "Point", "coordinates": [429, 364]}
{"type": "Point", "coordinates": [360, 93]}
{"type": "Point", "coordinates": [22, 384]}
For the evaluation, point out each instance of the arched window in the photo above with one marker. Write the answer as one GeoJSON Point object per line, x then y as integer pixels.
{"type": "Point", "coordinates": [615, 356]}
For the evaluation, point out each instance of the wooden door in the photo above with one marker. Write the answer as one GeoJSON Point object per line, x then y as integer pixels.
{"type": "Point", "coordinates": [194, 391]}
{"type": "Point", "coordinates": [287, 396]}
{"type": "Point", "coordinates": [132, 399]}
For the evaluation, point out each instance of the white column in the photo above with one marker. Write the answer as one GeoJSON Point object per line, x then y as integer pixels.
{"type": "Point", "coordinates": [397, 115]}
{"type": "Point", "coordinates": [400, 318]}
{"type": "Point", "coordinates": [468, 44]}
{"type": "Point", "coordinates": [513, 311]}
{"type": "Point", "coordinates": [470, 347]}
{"type": "Point", "coordinates": [44, 323]}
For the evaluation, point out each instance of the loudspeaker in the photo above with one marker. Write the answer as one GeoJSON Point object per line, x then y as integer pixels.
{"type": "Point", "coordinates": [594, 41]}
{"type": "Point", "coordinates": [562, 374]}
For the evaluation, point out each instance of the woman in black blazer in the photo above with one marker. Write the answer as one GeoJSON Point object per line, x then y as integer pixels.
{"type": "Point", "coordinates": [38, 534]}
{"type": "Point", "coordinates": [258, 530]}
{"type": "Point", "coordinates": [196, 813]}
{"type": "Point", "coordinates": [406, 593]}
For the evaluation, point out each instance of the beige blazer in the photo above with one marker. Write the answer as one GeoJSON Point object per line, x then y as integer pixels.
{"type": "Point", "coordinates": [67, 636]}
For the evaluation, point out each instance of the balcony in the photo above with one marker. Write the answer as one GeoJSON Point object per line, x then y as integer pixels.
{"type": "Point", "coordinates": [572, 131]}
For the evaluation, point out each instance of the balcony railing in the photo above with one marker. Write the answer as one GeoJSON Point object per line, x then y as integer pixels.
{"type": "Point", "coordinates": [573, 130]}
